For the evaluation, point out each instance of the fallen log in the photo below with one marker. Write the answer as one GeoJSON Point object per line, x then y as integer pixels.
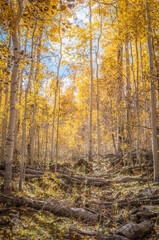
{"type": "Point", "coordinates": [110, 155]}
{"type": "Point", "coordinates": [56, 207]}
{"type": "Point", "coordinates": [4, 210]}
{"type": "Point", "coordinates": [96, 181]}
{"type": "Point", "coordinates": [30, 176]}
{"type": "Point", "coordinates": [129, 178]}
{"type": "Point", "coordinates": [130, 231]}
{"type": "Point", "coordinates": [73, 231]}
{"type": "Point", "coordinates": [142, 214]}
{"type": "Point", "coordinates": [145, 166]}
{"type": "Point", "coordinates": [89, 181]}
{"type": "Point", "coordinates": [33, 171]}
{"type": "Point", "coordinates": [39, 166]}
{"type": "Point", "coordinates": [125, 202]}
{"type": "Point", "coordinates": [135, 231]}
{"type": "Point", "coordinates": [79, 179]}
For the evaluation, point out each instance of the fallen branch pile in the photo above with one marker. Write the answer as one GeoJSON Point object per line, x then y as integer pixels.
{"type": "Point", "coordinates": [79, 179]}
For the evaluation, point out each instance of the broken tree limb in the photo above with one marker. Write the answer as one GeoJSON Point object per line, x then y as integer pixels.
{"type": "Point", "coordinates": [54, 206]}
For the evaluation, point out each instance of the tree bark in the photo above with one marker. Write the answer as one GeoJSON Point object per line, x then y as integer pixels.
{"type": "Point", "coordinates": [11, 127]}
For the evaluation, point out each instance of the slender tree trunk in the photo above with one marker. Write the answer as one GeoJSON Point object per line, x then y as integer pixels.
{"type": "Point", "coordinates": [11, 126]}
{"type": "Point", "coordinates": [56, 92]}
{"type": "Point", "coordinates": [87, 130]}
{"type": "Point", "coordinates": [128, 100]}
{"type": "Point", "coordinates": [153, 97]}
{"type": "Point", "coordinates": [119, 97]}
{"type": "Point", "coordinates": [38, 132]}
{"type": "Point", "coordinates": [143, 80]}
{"type": "Point", "coordinates": [57, 132]}
{"type": "Point", "coordinates": [5, 113]}
{"type": "Point", "coordinates": [97, 78]}
{"type": "Point", "coordinates": [19, 95]}
{"type": "Point", "coordinates": [90, 147]}
{"type": "Point", "coordinates": [4, 126]}
{"type": "Point", "coordinates": [36, 90]}
{"type": "Point", "coordinates": [1, 92]}
{"type": "Point", "coordinates": [13, 89]}
{"type": "Point", "coordinates": [137, 104]}
{"type": "Point", "coordinates": [136, 84]}
{"type": "Point", "coordinates": [46, 143]}
{"type": "Point", "coordinates": [156, 66]}
{"type": "Point", "coordinates": [22, 172]}
{"type": "Point", "coordinates": [157, 92]}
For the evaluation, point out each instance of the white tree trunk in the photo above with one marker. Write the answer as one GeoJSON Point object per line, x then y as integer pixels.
{"type": "Point", "coordinates": [11, 127]}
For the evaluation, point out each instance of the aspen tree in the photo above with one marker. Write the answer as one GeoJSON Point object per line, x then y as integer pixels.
{"type": "Point", "coordinates": [128, 100]}
{"type": "Point", "coordinates": [20, 91]}
{"type": "Point", "coordinates": [22, 173]}
{"type": "Point", "coordinates": [128, 92]}
{"type": "Point", "coordinates": [119, 96]}
{"type": "Point", "coordinates": [5, 110]}
{"type": "Point", "coordinates": [57, 131]}
{"type": "Point", "coordinates": [143, 80]}
{"type": "Point", "coordinates": [14, 75]}
{"type": "Point", "coordinates": [36, 90]}
{"type": "Point", "coordinates": [137, 102]}
{"type": "Point", "coordinates": [90, 146]}
{"type": "Point", "coordinates": [56, 90]}
{"type": "Point", "coordinates": [97, 79]}
{"type": "Point", "coordinates": [46, 139]}
{"type": "Point", "coordinates": [153, 97]}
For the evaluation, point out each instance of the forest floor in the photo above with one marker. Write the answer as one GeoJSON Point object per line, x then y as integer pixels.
{"type": "Point", "coordinates": [120, 197]}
